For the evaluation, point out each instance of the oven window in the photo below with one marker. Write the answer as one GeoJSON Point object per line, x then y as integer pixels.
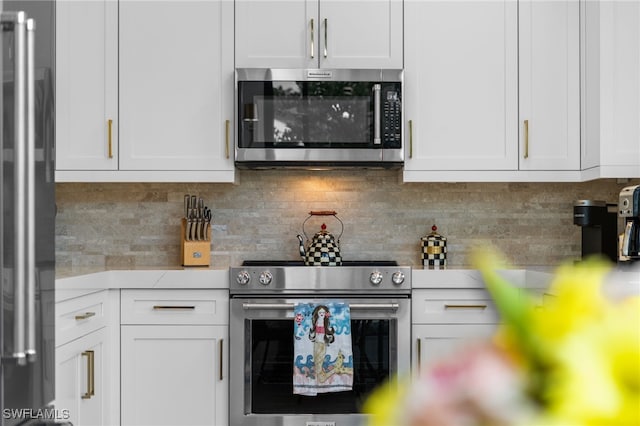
{"type": "Point", "coordinates": [271, 344]}
{"type": "Point", "coordinates": [310, 114]}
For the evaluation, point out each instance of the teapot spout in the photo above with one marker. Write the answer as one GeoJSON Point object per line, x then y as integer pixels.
{"type": "Point", "coordinates": [302, 251]}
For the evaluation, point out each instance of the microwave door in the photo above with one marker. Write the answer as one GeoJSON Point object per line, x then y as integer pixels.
{"type": "Point", "coordinates": [305, 123]}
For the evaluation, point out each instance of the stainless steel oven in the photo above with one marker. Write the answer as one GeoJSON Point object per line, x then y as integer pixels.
{"type": "Point", "coordinates": [262, 341]}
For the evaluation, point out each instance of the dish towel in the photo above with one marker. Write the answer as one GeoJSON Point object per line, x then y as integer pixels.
{"type": "Point", "coordinates": [322, 354]}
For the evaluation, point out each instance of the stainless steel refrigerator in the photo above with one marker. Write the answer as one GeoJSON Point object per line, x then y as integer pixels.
{"type": "Point", "coordinates": [28, 214]}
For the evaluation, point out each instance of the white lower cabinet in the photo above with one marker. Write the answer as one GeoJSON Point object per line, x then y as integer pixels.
{"type": "Point", "coordinates": [435, 342]}
{"type": "Point", "coordinates": [81, 379]}
{"type": "Point", "coordinates": [174, 375]}
{"type": "Point", "coordinates": [443, 320]}
{"type": "Point", "coordinates": [174, 357]}
{"type": "Point", "coordinates": [85, 387]}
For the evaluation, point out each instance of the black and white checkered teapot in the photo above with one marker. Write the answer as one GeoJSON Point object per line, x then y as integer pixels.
{"type": "Point", "coordinates": [323, 249]}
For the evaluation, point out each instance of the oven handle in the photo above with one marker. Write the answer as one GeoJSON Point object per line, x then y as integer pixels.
{"type": "Point", "coordinates": [288, 306]}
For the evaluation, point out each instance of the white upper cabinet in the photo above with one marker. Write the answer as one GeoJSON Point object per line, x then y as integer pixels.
{"type": "Point", "coordinates": [276, 34]}
{"type": "Point", "coordinates": [144, 91]}
{"type": "Point", "coordinates": [461, 85]}
{"type": "Point", "coordinates": [549, 91]}
{"type": "Point", "coordinates": [492, 90]}
{"type": "Point", "coordinates": [318, 34]}
{"type": "Point", "coordinates": [176, 85]}
{"type": "Point", "coordinates": [360, 34]}
{"type": "Point", "coordinates": [611, 88]}
{"type": "Point", "coordinates": [86, 85]}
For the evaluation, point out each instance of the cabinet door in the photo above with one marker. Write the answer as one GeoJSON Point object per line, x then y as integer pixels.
{"type": "Point", "coordinates": [434, 342]}
{"type": "Point", "coordinates": [176, 85]}
{"type": "Point", "coordinates": [360, 34]}
{"type": "Point", "coordinates": [80, 369]}
{"type": "Point", "coordinates": [86, 85]}
{"type": "Point", "coordinates": [174, 375]}
{"type": "Point", "coordinates": [619, 88]}
{"type": "Point", "coordinates": [276, 34]}
{"type": "Point", "coordinates": [461, 75]}
{"type": "Point", "coordinates": [549, 52]}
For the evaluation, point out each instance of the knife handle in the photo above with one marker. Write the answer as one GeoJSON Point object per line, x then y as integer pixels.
{"type": "Point", "coordinates": [185, 223]}
{"type": "Point", "coordinates": [194, 225]}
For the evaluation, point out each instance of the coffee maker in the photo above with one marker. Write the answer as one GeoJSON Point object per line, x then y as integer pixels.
{"type": "Point", "coordinates": [629, 209]}
{"type": "Point", "coordinates": [599, 228]}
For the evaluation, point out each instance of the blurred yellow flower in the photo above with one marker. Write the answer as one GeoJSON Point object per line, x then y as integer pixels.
{"type": "Point", "coordinates": [386, 404]}
{"type": "Point", "coordinates": [575, 361]}
{"type": "Point", "coordinates": [582, 349]}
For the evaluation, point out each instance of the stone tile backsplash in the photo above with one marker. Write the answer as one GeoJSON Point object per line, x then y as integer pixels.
{"type": "Point", "coordinates": [115, 225]}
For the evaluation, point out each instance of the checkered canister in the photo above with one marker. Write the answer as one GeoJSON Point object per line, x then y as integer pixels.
{"type": "Point", "coordinates": [434, 250]}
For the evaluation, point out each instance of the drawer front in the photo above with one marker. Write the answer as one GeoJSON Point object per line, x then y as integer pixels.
{"type": "Point", "coordinates": [176, 307]}
{"type": "Point", "coordinates": [453, 306]}
{"type": "Point", "coordinates": [81, 315]}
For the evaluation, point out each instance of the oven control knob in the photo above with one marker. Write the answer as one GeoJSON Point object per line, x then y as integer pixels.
{"type": "Point", "coordinates": [265, 278]}
{"type": "Point", "coordinates": [376, 278]}
{"type": "Point", "coordinates": [397, 278]}
{"type": "Point", "coordinates": [243, 278]}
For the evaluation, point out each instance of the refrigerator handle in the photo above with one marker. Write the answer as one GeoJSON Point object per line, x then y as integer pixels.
{"type": "Point", "coordinates": [16, 21]}
{"type": "Point", "coordinates": [30, 265]}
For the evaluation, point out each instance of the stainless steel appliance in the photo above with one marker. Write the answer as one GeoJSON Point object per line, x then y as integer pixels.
{"type": "Point", "coordinates": [28, 214]}
{"type": "Point", "coordinates": [599, 223]}
{"type": "Point", "coordinates": [629, 209]}
{"type": "Point", "coordinates": [319, 118]}
{"type": "Point", "coordinates": [263, 296]}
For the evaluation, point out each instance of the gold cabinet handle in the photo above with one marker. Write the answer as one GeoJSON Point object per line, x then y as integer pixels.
{"type": "Point", "coordinates": [410, 138]}
{"type": "Point", "coordinates": [526, 138]}
{"type": "Point", "coordinates": [91, 391]}
{"type": "Point", "coordinates": [325, 38]}
{"type": "Point", "coordinates": [85, 316]}
{"type": "Point", "coordinates": [110, 137]}
{"type": "Point", "coordinates": [226, 138]}
{"type": "Point", "coordinates": [173, 308]}
{"type": "Point", "coordinates": [221, 359]}
{"type": "Point", "coordinates": [312, 43]}
{"type": "Point", "coordinates": [448, 306]}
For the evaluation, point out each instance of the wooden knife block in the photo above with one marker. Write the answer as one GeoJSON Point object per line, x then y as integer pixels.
{"type": "Point", "coordinates": [195, 253]}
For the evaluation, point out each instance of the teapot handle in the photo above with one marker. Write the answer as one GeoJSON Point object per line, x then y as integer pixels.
{"type": "Point", "coordinates": [323, 213]}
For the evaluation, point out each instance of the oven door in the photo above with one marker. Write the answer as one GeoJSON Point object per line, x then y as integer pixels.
{"type": "Point", "coordinates": [262, 355]}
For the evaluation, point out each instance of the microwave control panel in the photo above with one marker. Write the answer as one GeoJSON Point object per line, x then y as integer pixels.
{"type": "Point", "coordinates": [391, 117]}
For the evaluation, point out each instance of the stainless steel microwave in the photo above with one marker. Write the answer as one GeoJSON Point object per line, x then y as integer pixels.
{"type": "Point", "coordinates": [306, 118]}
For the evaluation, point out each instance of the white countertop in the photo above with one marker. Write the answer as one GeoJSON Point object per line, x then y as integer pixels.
{"type": "Point", "coordinates": [209, 278]}
{"type": "Point", "coordinates": [471, 278]}
{"type": "Point", "coordinates": [184, 278]}
{"type": "Point", "coordinates": [537, 278]}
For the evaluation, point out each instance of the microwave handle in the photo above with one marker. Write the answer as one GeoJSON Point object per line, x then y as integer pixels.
{"type": "Point", "coordinates": [376, 114]}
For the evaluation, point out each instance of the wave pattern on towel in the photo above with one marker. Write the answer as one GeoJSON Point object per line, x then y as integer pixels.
{"type": "Point", "coordinates": [323, 357]}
